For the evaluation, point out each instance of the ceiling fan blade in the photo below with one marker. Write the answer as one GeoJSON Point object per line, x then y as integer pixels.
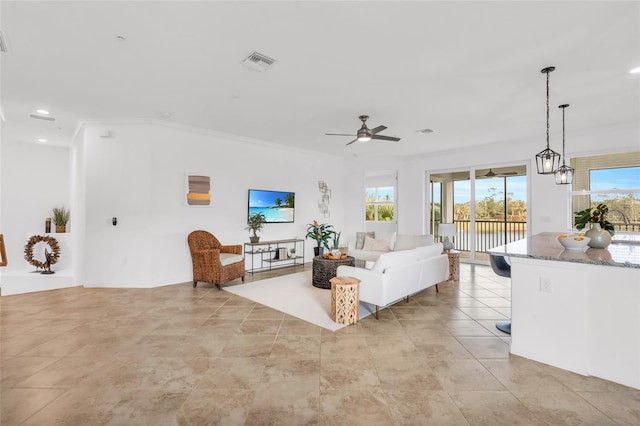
{"type": "Point", "coordinates": [385, 138]}
{"type": "Point", "coordinates": [338, 134]}
{"type": "Point", "coordinates": [352, 141]}
{"type": "Point", "coordinates": [378, 129]}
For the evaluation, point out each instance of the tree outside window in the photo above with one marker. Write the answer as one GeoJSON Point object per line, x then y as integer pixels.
{"type": "Point", "coordinates": [379, 204]}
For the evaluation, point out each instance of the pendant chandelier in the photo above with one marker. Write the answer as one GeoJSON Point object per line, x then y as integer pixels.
{"type": "Point", "coordinates": [547, 160]}
{"type": "Point", "coordinates": [564, 174]}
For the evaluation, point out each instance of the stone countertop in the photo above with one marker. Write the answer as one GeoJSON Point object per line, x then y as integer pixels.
{"type": "Point", "coordinates": [624, 252]}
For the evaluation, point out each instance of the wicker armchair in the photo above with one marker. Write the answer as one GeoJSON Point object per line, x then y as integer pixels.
{"type": "Point", "coordinates": [213, 262]}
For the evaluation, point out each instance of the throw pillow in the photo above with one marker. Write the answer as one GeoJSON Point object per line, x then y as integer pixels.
{"type": "Point", "coordinates": [360, 238]}
{"type": "Point", "coordinates": [376, 244]}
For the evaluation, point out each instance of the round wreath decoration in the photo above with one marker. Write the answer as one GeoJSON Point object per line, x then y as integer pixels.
{"type": "Point", "coordinates": [53, 244]}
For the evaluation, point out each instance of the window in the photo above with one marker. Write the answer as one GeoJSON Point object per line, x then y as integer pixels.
{"type": "Point", "coordinates": [610, 179]}
{"type": "Point", "coordinates": [379, 204]}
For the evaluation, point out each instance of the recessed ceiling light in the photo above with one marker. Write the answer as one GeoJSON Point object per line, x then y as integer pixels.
{"type": "Point", "coordinates": [42, 140]}
{"type": "Point", "coordinates": [424, 131]}
{"type": "Point", "coordinates": [635, 71]}
{"type": "Point", "coordinates": [42, 111]}
{"type": "Point", "coordinates": [121, 38]}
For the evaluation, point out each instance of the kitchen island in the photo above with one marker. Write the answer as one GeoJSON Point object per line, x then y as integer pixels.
{"type": "Point", "coordinates": [577, 310]}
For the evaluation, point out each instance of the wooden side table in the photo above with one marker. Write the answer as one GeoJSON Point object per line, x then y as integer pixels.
{"type": "Point", "coordinates": [345, 299]}
{"type": "Point", "coordinates": [454, 265]}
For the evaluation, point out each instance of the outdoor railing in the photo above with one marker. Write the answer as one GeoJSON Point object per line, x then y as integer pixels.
{"type": "Point", "coordinates": [489, 234]}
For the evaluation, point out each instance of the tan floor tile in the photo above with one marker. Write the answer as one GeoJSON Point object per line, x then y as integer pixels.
{"type": "Point", "coordinates": [232, 373]}
{"type": "Point", "coordinates": [423, 407]}
{"type": "Point", "coordinates": [485, 347]}
{"type": "Point", "coordinates": [348, 373]}
{"type": "Point", "coordinates": [216, 406]}
{"type": "Point", "coordinates": [406, 373]}
{"type": "Point", "coordinates": [204, 356]}
{"type": "Point", "coordinates": [354, 407]}
{"type": "Point", "coordinates": [564, 408]}
{"type": "Point", "coordinates": [15, 370]}
{"type": "Point", "coordinates": [521, 375]}
{"type": "Point", "coordinates": [248, 346]}
{"type": "Point", "coordinates": [463, 375]}
{"type": "Point", "coordinates": [494, 408]}
{"type": "Point", "coordinates": [296, 346]}
{"type": "Point", "coordinates": [387, 346]}
{"type": "Point", "coordinates": [441, 347]}
{"type": "Point", "coordinates": [461, 328]}
{"type": "Point", "coordinates": [621, 406]}
{"type": "Point", "coordinates": [281, 403]}
{"type": "Point", "coordinates": [16, 405]}
{"type": "Point", "coordinates": [292, 370]}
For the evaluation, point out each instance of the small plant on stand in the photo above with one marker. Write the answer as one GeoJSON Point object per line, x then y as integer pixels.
{"type": "Point", "coordinates": [255, 224]}
{"type": "Point", "coordinates": [335, 252]}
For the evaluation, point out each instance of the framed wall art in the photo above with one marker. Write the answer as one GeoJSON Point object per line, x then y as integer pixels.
{"type": "Point", "coordinates": [197, 190]}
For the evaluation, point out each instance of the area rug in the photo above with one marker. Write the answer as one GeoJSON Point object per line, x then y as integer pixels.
{"type": "Point", "coordinates": [294, 295]}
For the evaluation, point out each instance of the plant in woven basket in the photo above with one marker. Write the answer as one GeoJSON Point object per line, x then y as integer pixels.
{"type": "Point", "coordinates": [60, 216]}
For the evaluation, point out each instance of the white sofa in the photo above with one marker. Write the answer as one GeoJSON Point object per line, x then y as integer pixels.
{"type": "Point", "coordinates": [399, 274]}
{"type": "Point", "coordinates": [370, 246]}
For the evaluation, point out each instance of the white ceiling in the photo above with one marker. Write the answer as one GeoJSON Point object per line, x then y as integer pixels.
{"type": "Point", "coordinates": [468, 70]}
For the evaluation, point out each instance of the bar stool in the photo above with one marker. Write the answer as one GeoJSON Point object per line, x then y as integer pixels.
{"type": "Point", "coordinates": [502, 268]}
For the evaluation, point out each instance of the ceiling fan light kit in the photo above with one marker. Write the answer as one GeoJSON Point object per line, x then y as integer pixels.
{"type": "Point", "coordinates": [547, 160]}
{"type": "Point", "coordinates": [364, 134]}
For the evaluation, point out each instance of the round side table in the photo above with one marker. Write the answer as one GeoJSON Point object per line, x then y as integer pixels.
{"type": "Point", "coordinates": [325, 269]}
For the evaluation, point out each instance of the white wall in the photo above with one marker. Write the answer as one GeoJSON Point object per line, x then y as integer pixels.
{"type": "Point", "coordinates": [138, 175]}
{"type": "Point", "coordinates": [35, 178]}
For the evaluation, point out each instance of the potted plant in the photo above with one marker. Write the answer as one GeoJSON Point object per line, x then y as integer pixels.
{"type": "Point", "coordinates": [255, 224]}
{"type": "Point", "coordinates": [321, 233]}
{"type": "Point", "coordinates": [60, 217]}
{"type": "Point", "coordinates": [601, 231]}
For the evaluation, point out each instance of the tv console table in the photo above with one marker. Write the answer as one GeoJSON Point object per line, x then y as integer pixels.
{"type": "Point", "coordinates": [268, 255]}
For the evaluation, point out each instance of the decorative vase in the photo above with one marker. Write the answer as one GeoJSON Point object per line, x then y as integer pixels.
{"type": "Point", "coordinates": [599, 237]}
{"type": "Point", "coordinates": [336, 253]}
{"type": "Point", "coordinates": [318, 251]}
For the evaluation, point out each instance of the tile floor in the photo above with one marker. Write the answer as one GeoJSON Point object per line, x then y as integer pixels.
{"type": "Point", "coordinates": [178, 355]}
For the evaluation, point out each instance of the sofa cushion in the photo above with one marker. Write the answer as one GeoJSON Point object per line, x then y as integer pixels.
{"type": "Point", "coordinates": [393, 258]}
{"type": "Point", "coordinates": [389, 236]}
{"type": "Point", "coordinates": [375, 244]}
{"type": "Point", "coordinates": [407, 241]}
{"type": "Point", "coordinates": [360, 238]}
{"type": "Point", "coordinates": [429, 251]}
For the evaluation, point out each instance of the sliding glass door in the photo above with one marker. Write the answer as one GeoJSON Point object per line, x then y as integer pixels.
{"type": "Point", "coordinates": [487, 206]}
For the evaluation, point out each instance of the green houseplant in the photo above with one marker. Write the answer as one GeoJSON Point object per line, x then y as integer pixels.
{"type": "Point", "coordinates": [321, 233]}
{"type": "Point", "coordinates": [594, 215]}
{"type": "Point", "coordinates": [601, 231]}
{"type": "Point", "coordinates": [255, 224]}
{"type": "Point", "coordinates": [60, 217]}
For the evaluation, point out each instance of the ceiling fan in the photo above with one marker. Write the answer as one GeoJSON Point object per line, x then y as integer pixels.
{"type": "Point", "coordinates": [365, 134]}
{"type": "Point", "coordinates": [491, 173]}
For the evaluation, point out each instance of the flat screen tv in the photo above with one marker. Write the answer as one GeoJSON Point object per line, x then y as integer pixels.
{"type": "Point", "coordinates": [277, 206]}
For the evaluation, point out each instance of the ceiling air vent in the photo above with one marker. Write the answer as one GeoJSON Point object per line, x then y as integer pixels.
{"type": "Point", "coordinates": [258, 61]}
{"type": "Point", "coordinates": [3, 45]}
{"type": "Point", "coordinates": [41, 117]}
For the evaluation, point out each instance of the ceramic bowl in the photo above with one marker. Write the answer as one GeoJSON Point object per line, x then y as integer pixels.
{"type": "Point", "coordinates": [573, 241]}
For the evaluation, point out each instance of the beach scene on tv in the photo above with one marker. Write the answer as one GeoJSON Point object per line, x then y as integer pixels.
{"type": "Point", "coordinates": [275, 205]}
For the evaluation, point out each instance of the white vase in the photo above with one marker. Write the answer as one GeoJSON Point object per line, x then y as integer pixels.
{"type": "Point", "coordinates": [599, 237]}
